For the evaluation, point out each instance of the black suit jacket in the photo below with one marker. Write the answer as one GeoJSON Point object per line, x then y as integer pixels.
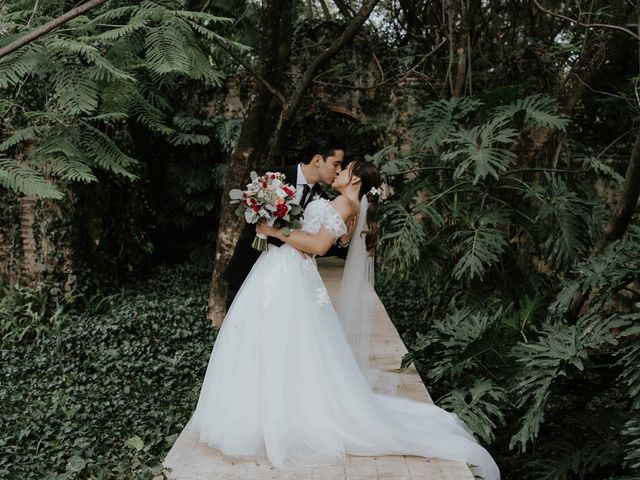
{"type": "Point", "coordinates": [244, 255]}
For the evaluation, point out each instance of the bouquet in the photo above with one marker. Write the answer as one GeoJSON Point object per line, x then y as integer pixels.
{"type": "Point", "coordinates": [268, 197]}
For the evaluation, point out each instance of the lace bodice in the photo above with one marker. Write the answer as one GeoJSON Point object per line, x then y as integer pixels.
{"type": "Point", "coordinates": [319, 213]}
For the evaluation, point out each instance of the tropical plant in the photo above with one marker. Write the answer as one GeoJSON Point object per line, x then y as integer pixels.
{"type": "Point", "coordinates": [510, 246]}
{"type": "Point", "coordinates": [68, 98]}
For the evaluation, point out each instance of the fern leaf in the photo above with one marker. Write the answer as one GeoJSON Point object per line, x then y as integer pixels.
{"type": "Point", "coordinates": [113, 14]}
{"type": "Point", "coordinates": [104, 152]}
{"type": "Point", "coordinates": [477, 149]}
{"type": "Point", "coordinates": [567, 215]}
{"type": "Point", "coordinates": [77, 94]}
{"type": "Point", "coordinates": [597, 166]}
{"type": "Point", "coordinates": [17, 65]}
{"type": "Point", "coordinates": [65, 159]}
{"type": "Point", "coordinates": [482, 244]}
{"type": "Point", "coordinates": [629, 361]}
{"type": "Point", "coordinates": [403, 234]}
{"type": "Point", "coordinates": [432, 125]}
{"type": "Point", "coordinates": [632, 432]}
{"type": "Point", "coordinates": [478, 407]}
{"type": "Point", "coordinates": [539, 110]}
{"type": "Point", "coordinates": [214, 36]}
{"type": "Point", "coordinates": [27, 133]}
{"type": "Point", "coordinates": [189, 139]}
{"type": "Point", "coordinates": [135, 24]}
{"type": "Point", "coordinates": [165, 50]}
{"type": "Point", "coordinates": [205, 17]}
{"type": "Point", "coordinates": [19, 176]}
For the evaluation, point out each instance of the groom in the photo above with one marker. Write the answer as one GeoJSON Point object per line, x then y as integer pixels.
{"type": "Point", "coordinates": [322, 162]}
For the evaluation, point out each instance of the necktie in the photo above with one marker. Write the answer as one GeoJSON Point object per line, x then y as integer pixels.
{"type": "Point", "coordinates": [306, 190]}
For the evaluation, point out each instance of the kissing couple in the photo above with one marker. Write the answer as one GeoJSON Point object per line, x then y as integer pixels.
{"type": "Point", "coordinates": [284, 379]}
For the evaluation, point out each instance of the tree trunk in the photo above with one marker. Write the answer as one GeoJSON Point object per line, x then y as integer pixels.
{"type": "Point", "coordinates": [464, 56]}
{"type": "Point", "coordinates": [257, 128]}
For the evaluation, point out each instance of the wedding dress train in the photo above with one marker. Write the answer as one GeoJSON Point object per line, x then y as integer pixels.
{"type": "Point", "coordinates": [282, 380]}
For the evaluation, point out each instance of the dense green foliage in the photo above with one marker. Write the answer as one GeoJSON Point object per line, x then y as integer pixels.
{"type": "Point", "coordinates": [89, 82]}
{"type": "Point", "coordinates": [499, 252]}
{"type": "Point", "coordinates": [100, 387]}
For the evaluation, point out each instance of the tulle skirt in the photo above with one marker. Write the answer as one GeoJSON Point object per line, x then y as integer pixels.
{"type": "Point", "coordinates": [283, 382]}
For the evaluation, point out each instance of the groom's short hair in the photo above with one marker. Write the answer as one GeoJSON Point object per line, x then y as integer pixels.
{"type": "Point", "coordinates": [323, 145]}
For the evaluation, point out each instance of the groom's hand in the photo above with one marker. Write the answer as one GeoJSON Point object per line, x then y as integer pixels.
{"type": "Point", "coordinates": [351, 226]}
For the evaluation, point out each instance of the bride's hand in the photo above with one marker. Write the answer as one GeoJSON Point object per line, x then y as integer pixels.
{"type": "Point", "coordinates": [264, 228]}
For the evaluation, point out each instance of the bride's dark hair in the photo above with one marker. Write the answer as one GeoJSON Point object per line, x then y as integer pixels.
{"type": "Point", "coordinates": [370, 177]}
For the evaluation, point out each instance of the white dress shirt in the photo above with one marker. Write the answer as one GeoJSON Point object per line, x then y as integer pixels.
{"type": "Point", "coordinates": [300, 182]}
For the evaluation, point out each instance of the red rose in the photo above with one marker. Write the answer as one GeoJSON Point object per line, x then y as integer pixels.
{"type": "Point", "coordinates": [273, 177]}
{"type": "Point", "coordinates": [288, 191]}
{"type": "Point", "coordinates": [281, 211]}
{"type": "Point", "coordinates": [256, 208]}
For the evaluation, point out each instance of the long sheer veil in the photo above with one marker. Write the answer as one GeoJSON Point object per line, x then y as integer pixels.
{"type": "Point", "coordinates": [357, 300]}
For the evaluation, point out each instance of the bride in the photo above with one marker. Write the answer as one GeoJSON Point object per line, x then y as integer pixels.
{"type": "Point", "coordinates": [283, 380]}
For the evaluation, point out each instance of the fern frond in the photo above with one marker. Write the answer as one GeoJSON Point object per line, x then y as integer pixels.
{"type": "Point", "coordinates": [477, 149]}
{"type": "Point", "coordinates": [151, 116]}
{"type": "Point", "coordinates": [481, 244]}
{"type": "Point", "coordinates": [17, 65]}
{"type": "Point", "coordinates": [568, 217]}
{"type": "Point", "coordinates": [596, 165]}
{"type": "Point", "coordinates": [113, 14]}
{"type": "Point", "coordinates": [22, 178]}
{"type": "Point", "coordinates": [539, 110]}
{"type": "Point", "coordinates": [629, 361]}
{"type": "Point", "coordinates": [478, 407]}
{"type": "Point", "coordinates": [206, 18]}
{"type": "Point", "coordinates": [631, 433]}
{"type": "Point", "coordinates": [214, 36]}
{"type": "Point", "coordinates": [604, 274]}
{"type": "Point", "coordinates": [65, 159]}
{"type": "Point", "coordinates": [76, 93]}
{"type": "Point", "coordinates": [180, 138]}
{"type": "Point", "coordinates": [135, 24]}
{"type": "Point", "coordinates": [104, 153]}
{"type": "Point", "coordinates": [27, 133]}
{"type": "Point", "coordinates": [403, 235]}
{"type": "Point", "coordinates": [550, 357]}
{"type": "Point", "coordinates": [438, 119]}
{"type": "Point", "coordinates": [165, 49]}
{"type": "Point", "coordinates": [395, 165]}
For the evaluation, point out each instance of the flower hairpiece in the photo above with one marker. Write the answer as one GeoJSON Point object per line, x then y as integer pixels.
{"type": "Point", "coordinates": [375, 191]}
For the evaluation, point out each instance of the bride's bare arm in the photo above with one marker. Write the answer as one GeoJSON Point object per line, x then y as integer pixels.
{"type": "Point", "coordinates": [317, 244]}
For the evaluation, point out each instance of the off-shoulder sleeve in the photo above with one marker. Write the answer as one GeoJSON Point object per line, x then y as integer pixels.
{"type": "Point", "coordinates": [321, 213]}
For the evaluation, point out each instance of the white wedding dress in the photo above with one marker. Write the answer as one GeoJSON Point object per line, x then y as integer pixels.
{"type": "Point", "coordinates": [282, 380]}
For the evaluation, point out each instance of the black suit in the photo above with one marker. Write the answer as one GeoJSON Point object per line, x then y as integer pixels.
{"type": "Point", "coordinates": [244, 255]}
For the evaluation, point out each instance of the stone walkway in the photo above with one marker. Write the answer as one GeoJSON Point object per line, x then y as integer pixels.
{"type": "Point", "coordinates": [191, 460]}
